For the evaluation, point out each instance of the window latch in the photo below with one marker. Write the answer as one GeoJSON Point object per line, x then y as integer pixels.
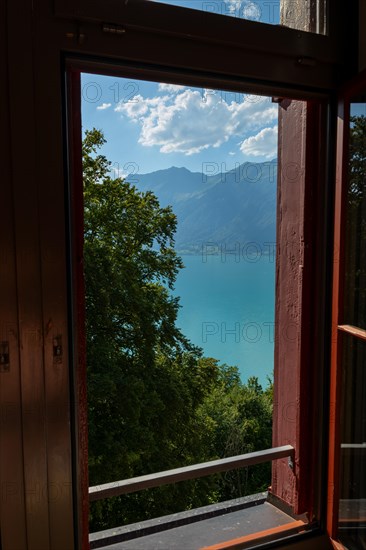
{"type": "Point", "coordinates": [57, 349]}
{"type": "Point", "coordinates": [113, 29]}
{"type": "Point", "coordinates": [4, 357]}
{"type": "Point", "coordinates": [306, 61]}
{"type": "Point", "coordinates": [290, 462]}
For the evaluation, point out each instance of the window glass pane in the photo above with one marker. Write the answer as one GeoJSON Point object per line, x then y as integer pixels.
{"type": "Point", "coordinates": [179, 254]}
{"type": "Point", "coordinates": [352, 506]}
{"type": "Point", "coordinates": [355, 275]}
{"type": "Point", "coordinates": [296, 15]}
{"type": "Point", "coordinates": [263, 11]}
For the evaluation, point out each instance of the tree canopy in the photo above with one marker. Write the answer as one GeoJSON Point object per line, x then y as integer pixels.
{"type": "Point", "coordinates": [355, 274]}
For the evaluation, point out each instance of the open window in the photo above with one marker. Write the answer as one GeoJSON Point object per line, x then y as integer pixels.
{"type": "Point", "coordinates": [303, 229]}
{"type": "Point", "coordinates": [297, 373]}
{"type": "Point", "coordinates": [151, 365]}
{"type": "Point", "coordinates": [43, 461]}
{"type": "Point", "coordinates": [347, 435]}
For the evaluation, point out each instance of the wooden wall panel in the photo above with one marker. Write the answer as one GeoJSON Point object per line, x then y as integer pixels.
{"type": "Point", "coordinates": [52, 181]}
{"type": "Point", "coordinates": [12, 505]}
{"type": "Point", "coordinates": [26, 215]}
{"type": "Point", "coordinates": [35, 439]}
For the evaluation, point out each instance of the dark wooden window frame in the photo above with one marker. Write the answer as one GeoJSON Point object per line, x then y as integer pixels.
{"type": "Point", "coordinates": [351, 89]}
{"type": "Point", "coordinates": [317, 120]}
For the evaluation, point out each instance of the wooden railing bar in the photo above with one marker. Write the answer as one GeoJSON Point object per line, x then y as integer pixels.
{"type": "Point", "coordinates": [194, 471]}
{"type": "Point", "coordinates": [354, 331]}
{"type": "Point", "coordinates": [353, 445]}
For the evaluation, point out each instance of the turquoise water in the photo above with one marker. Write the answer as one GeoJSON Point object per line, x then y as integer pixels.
{"type": "Point", "coordinates": [228, 310]}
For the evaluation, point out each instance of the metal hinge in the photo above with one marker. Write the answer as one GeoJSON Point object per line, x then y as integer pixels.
{"type": "Point", "coordinates": [113, 29]}
{"type": "Point", "coordinates": [57, 349]}
{"type": "Point", "coordinates": [290, 462]}
{"type": "Point", "coordinates": [4, 357]}
{"type": "Point", "coordinates": [306, 61]}
{"type": "Point", "coordinates": [79, 35]}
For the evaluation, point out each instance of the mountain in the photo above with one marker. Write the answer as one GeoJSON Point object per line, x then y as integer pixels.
{"type": "Point", "coordinates": [228, 209]}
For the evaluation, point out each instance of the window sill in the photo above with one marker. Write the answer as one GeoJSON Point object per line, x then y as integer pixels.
{"type": "Point", "coordinates": [225, 525]}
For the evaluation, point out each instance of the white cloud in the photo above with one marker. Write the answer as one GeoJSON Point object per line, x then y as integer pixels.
{"type": "Point", "coordinates": [191, 121]}
{"type": "Point", "coordinates": [246, 9]}
{"type": "Point", "coordinates": [138, 106]}
{"type": "Point", "coordinates": [264, 144]}
{"type": "Point", "coordinates": [104, 106]}
{"type": "Point", "coordinates": [170, 88]}
{"type": "Point", "coordinates": [251, 10]}
{"type": "Point", "coordinates": [134, 108]}
{"type": "Point", "coordinates": [233, 7]}
{"type": "Point", "coordinates": [118, 173]}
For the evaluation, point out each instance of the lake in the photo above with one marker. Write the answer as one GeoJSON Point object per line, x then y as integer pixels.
{"type": "Point", "coordinates": [228, 309]}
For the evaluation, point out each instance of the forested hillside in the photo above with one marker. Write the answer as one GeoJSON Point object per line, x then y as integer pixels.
{"type": "Point", "coordinates": [223, 207]}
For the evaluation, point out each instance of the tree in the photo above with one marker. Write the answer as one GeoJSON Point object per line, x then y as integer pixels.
{"type": "Point", "coordinates": [145, 380]}
{"type": "Point", "coordinates": [355, 297]}
{"type": "Point", "coordinates": [240, 419]}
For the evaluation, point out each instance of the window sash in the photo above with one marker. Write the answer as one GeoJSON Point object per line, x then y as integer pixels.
{"type": "Point", "coordinates": [270, 55]}
{"type": "Point", "coordinates": [340, 330]}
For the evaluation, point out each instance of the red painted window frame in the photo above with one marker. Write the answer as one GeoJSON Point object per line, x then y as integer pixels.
{"type": "Point", "coordinates": [303, 432]}
{"type": "Point", "coordinates": [349, 90]}
{"type": "Point", "coordinates": [316, 124]}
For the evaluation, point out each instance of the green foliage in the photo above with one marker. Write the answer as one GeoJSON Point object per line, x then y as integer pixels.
{"type": "Point", "coordinates": [357, 154]}
{"type": "Point", "coordinates": [154, 402]}
{"type": "Point", "coordinates": [240, 420]}
{"type": "Point", "coordinates": [355, 297]}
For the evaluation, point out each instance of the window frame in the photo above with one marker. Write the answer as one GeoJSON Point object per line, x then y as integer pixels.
{"type": "Point", "coordinates": [352, 88]}
{"type": "Point", "coordinates": [73, 67]}
{"type": "Point", "coordinates": [154, 65]}
{"type": "Point", "coordinates": [273, 58]}
{"type": "Point", "coordinates": [37, 49]}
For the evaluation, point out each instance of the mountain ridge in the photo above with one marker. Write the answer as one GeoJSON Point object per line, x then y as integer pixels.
{"type": "Point", "coordinates": [225, 208]}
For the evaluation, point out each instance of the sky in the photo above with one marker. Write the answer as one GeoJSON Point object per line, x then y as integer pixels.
{"type": "Point", "coordinates": [152, 126]}
{"type": "Point", "coordinates": [263, 11]}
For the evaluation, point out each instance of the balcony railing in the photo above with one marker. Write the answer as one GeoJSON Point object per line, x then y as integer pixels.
{"type": "Point", "coordinates": [194, 471]}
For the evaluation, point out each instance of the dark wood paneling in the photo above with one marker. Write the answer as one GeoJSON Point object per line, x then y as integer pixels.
{"type": "Point", "coordinates": [40, 384]}
{"type": "Point", "coordinates": [202, 25]}
{"type": "Point", "coordinates": [12, 506]}
{"type": "Point", "coordinates": [76, 228]}
{"type": "Point", "coordinates": [279, 74]}
{"type": "Point", "coordinates": [25, 188]}
{"type": "Point", "coordinates": [51, 181]}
